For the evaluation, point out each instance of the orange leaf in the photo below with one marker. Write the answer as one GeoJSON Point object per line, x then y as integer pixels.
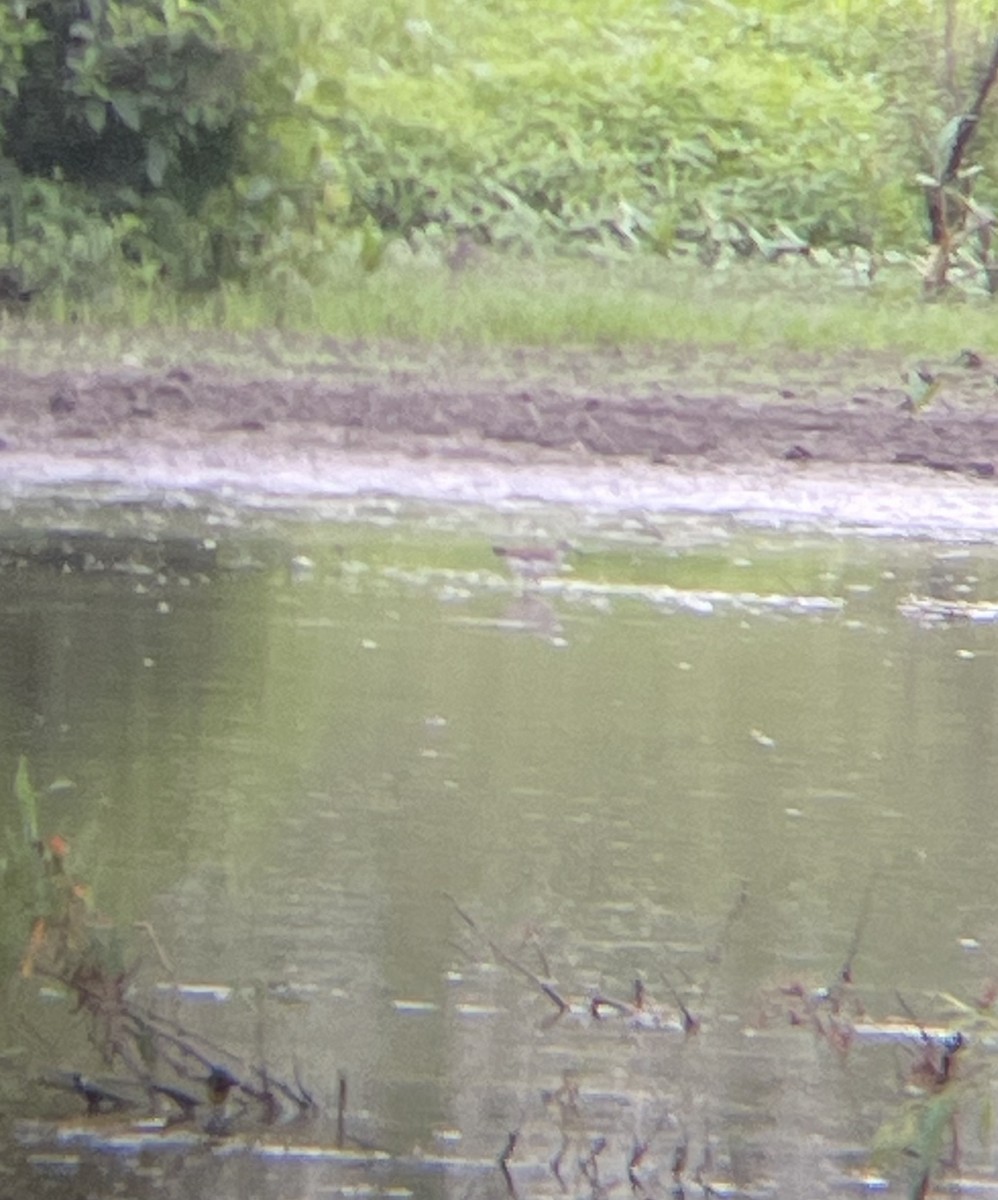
{"type": "Point", "coordinates": [58, 846]}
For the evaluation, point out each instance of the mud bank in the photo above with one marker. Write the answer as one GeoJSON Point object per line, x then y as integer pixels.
{"type": "Point", "coordinates": [804, 441]}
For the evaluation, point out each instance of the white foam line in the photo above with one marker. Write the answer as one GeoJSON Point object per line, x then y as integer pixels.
{"type": "Point", "coordinates": [875, 500]}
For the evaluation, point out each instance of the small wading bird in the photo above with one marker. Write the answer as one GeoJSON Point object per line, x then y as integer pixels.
{"type": "Point", "coordinates": [535, 562]}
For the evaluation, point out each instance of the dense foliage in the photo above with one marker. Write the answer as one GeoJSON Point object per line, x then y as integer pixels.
{"type": "Point", "coordinates": [195, 141]}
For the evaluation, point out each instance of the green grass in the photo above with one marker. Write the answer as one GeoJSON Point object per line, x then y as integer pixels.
{"type": "Point", "coordinates": [509, 302]}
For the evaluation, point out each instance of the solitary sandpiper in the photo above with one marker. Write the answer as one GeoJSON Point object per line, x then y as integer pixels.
{"type": "Point", "coordinates": [535, 561]}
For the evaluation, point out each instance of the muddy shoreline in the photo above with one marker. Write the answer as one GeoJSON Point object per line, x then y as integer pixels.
{"type": "Point", "coordinates": [805, 439]}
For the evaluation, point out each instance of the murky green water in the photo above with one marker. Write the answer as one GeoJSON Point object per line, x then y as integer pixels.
{"type": "Point", "coordinates": [290, 746]}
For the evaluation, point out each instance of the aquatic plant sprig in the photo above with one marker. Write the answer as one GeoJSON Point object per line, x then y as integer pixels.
{"type": "Point", "coordinates": [912, 1139]}
{"type": "Point", "coordinates": [832, 1009]}
{"type": "Point", "coordinates": [70, 946]}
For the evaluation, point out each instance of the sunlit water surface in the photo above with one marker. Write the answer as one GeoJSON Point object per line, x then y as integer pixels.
{"type": "Point", "coordinates": [349, 793]}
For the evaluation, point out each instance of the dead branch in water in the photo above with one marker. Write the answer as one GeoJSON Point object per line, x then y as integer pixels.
{"type": "Point", "coordinates": [599, 1004]}
{"type": "Point", "coordinates": [123, 1029]}
{"type": "Point", "coordinates": [543, 985]}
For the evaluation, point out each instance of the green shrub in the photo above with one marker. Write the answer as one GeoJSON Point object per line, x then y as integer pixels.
{"type": "Point", "coordinates": [244, 142]}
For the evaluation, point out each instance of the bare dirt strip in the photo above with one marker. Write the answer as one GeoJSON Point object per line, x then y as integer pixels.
{"type": "Point", "coordinates": [795, 437]}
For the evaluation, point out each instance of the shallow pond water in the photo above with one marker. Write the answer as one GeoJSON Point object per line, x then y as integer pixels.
{"type": "Point", "coordinates": [350, 799]}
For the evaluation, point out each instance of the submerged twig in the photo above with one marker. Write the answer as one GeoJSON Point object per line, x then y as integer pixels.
{"type": "Point", "coordinates": [589, 1166]}
{"type": "Point", "coordinates": [638, 1152]}
{"type": "Point", "coordinates": [691, 1023]}
{"type": "Point", "coordinates": [715, 955]}
{"type": "Point", "coordinates": [504, 1158]}
{"type": "Point", "coordinates": [720, 947]}
{"type": "Point", "coordinates": [558, 1159]}
{"type": "Point", "coordinates": [845, 974]}
{"type": "Point", "coordinates": [341, 1110]}
{"type": "Point", "coordinates": [146, 927]}
{"type": "Point", "coordinates": [680, 1157]}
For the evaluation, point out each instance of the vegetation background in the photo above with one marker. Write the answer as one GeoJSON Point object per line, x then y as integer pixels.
{"type": "Point", "coordinates": [240, 161]}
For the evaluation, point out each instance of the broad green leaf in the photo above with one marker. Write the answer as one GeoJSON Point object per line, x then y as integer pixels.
{"type": "Point", "coordinates": [156, 163]}
{"type": "Point", "coordinates": [127, 107]}
{"type": "Point", "coordinates": [257, 189]}
{"type": "Point", "coordinates": [96, 113]}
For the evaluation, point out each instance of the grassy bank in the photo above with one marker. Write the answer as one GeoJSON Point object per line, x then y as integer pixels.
{"type": "Point", "coordinates": [498, 302]}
